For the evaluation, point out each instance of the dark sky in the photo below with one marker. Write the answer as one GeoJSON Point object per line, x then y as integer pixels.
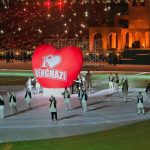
{"type": "Point", "coordinates": [24, 23]}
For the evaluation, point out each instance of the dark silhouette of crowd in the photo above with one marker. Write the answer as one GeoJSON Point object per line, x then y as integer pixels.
{"type": "Point", "coordinates": [10, 56]}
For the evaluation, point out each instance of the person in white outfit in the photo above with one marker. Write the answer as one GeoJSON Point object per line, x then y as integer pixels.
{"type": "Point", "coordinates": [8, 94]}
{"type": "Point", "coordinates": [111, 82]}
{"type": "Point", "coordinates": [84, 101]}
{"type": "Point", "coordinates": [148, 91]}
{"type": "Point", "coordinates": [53, 108]}
{"type": "Point", "coordinates": [83, 79]}
{"type": "Point", "coordinates": [80, 92]}
{"type": "Point", "coordinates": [12, 102]}
{"type": "Point", "coordinates": [116, 82]}
{"type": "Point", "coordinates": [125, 90]}
{"type": "Point", "coordinates": [1, 107]}
{"type": "Point", "coordinates": [80, 82]}
{"type": "Point", "coordinates": [29, 84]}
{"type": "Point", "coordinates": [37, 87]}
{"type": "Point", "coordinates": [140, 106]}
{"type": "Point", "coordinates": [124, 79]}
{"type": "Point", "coordinates": [66, 95]}
{"type": "Point", "coordinates": [28, 97]}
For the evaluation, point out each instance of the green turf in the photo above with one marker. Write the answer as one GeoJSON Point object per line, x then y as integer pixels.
{"type": "Point", "coordinates": [131, 137]}
{"type": "Point", "coordinates": [16, 73]}
{"type": "Point", "coordinates": [12, 81]}
{"type": "Point", "coordinates": [10, 78]}
{"type": "Point", "coordinates": [99, 80]}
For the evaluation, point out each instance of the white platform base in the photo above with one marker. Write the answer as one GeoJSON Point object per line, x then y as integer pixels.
{"type": "Point", "coordinates": [53, 91]}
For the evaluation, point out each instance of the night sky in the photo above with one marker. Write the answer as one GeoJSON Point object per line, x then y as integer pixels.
{"type": "Point", "coordinates": [26, 23]}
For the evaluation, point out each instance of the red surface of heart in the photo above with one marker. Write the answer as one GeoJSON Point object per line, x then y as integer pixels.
{"type": "Point", "coordinates": [56, 68]}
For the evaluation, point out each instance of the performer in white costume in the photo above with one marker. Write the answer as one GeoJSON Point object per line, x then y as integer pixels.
{"type": "Point", "coordinates": [80, 92]}
{"type": "Point", "coordinates": [125, 90]}
{"type": "Point", "coordinates": [116, 82]}
{"type": "Point", "coordinates": [111, 82]}
{"type": "Point", "coordinates": [140, 106]}
{"type": "Point", "coordinates": [28, 97]}
{"type": "Point", "coordinates": [12, 102]}
{"type": "Point", "coordinates": [29, 84]}
{"type": "Point", "coordinates": [66, 95]}
{"type": "Point", "coordinates": [37, 87]}
{"type": "Point", "coordinates": [148, 91]}
{"type": "Point", "coordinates": [1, 107]}
{"type": "Point", "coordinates": [80, 82]}
{"type": "Point", "coordinates": [84, 101]}
{"type": "Point", "coordinates": [53, 108]}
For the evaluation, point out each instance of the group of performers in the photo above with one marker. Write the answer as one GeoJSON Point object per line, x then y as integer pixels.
{"type": "Point", "coordinates": [82, 84]}
{"type": "Point", "coordinates": [114, 84]}
{"type": "Point", "coordinates": [13, 100]}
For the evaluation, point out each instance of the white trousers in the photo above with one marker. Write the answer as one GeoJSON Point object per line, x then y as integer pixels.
{"type": "Point", "coordinates": [1, 111]}
{"type": "Point", "coordinates": [124, 94]}
{"type": "Point", "coordinates": [140, 108]}
{"type": "Point", "coordinates": [111, 85]}
{"type": "Point", "coordinates": [67, 103]}
{"type": "Point", "coordinates": [84, 106]}
{"type": "Point", "coordinates": [30, 87]}
{"type": "Point", "coordinates": [13, 107]}
{"type": "Point", "coordinates": [116, 87]}
{"type": "Point", "coordinates": [37, 90]}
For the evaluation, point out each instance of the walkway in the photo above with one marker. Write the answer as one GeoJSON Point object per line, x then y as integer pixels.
{"type": "Point", "coordinates": [106, 110]}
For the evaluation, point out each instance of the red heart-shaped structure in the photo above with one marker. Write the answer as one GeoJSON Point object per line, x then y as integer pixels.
{"type": "Point", "coordinates": [56, 68]}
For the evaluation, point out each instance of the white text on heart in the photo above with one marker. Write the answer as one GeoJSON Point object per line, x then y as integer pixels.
{"type": "Point", "coordinates": [48, 73]}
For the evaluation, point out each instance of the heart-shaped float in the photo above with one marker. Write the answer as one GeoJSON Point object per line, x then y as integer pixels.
{"type": "Point", "coordinates": [56, 68]}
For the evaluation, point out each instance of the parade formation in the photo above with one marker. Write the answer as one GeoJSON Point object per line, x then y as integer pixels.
{"type": "Point", "coordinates": [95, 99]}
{"type": "Point", "coordinates": [82, 88]}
